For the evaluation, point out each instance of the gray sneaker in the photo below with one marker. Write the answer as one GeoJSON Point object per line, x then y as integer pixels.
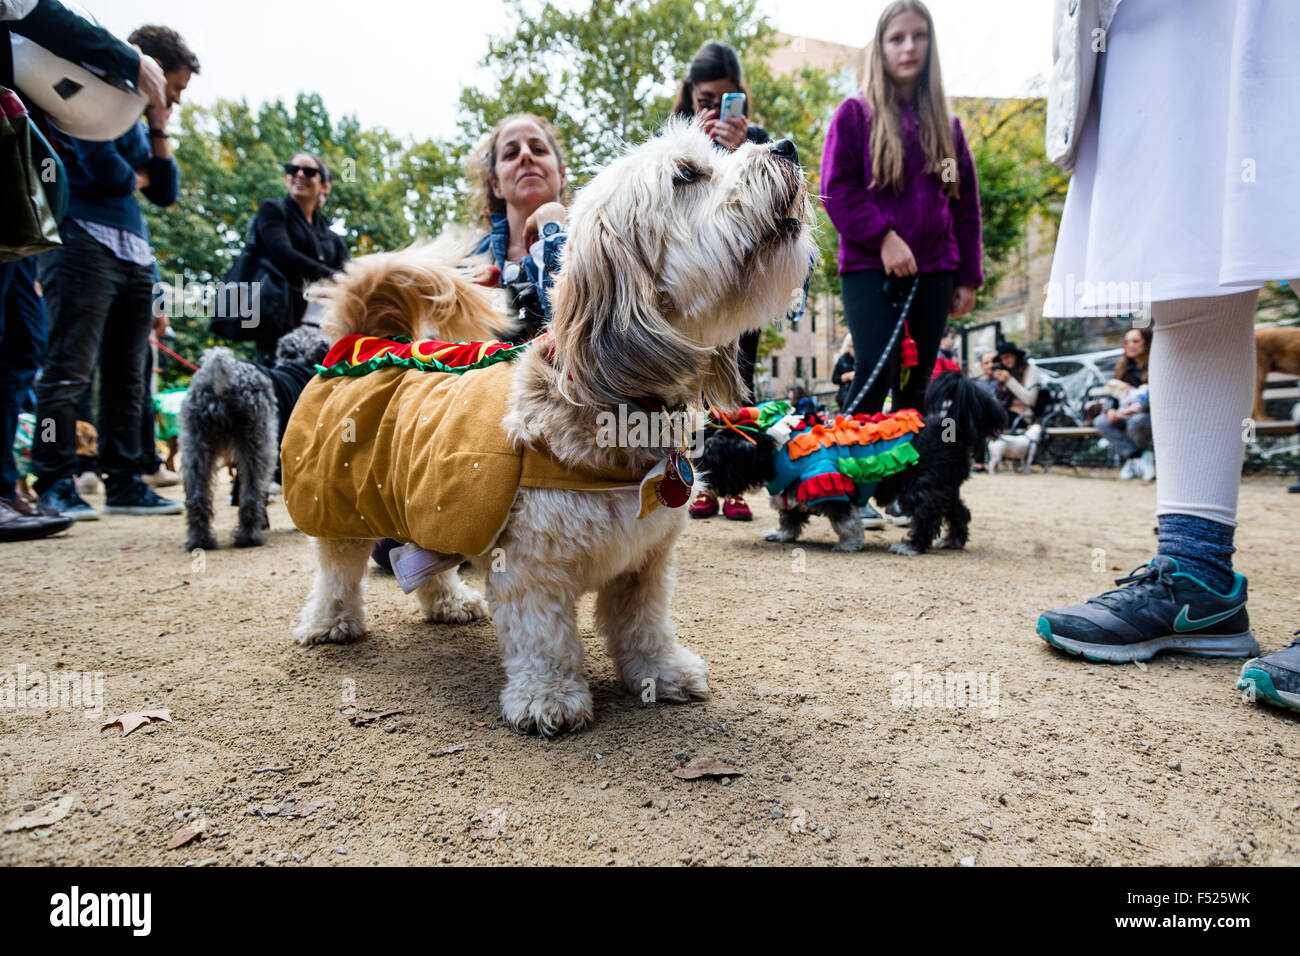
{"type": "Point", "coordinates": [896, 517]}
{"type": "Point", "coordinates": [137, 498]}
{"type": "Point", "coordinates": [1156, 608]}
{"type": "Point", "coordinates": [1274, 678]}
{"type": "Point", "coordinates": [872, 520]}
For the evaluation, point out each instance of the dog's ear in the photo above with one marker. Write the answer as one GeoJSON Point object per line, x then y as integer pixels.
{"type": "Point", "coordinates": [612, 341]}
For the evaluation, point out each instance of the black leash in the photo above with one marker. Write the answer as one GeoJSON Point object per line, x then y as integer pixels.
{"type": "Point", "coordinates": [886, 354]}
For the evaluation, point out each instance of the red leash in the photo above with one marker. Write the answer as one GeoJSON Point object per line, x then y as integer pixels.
{"type": "Point", "coordinates": [185, 362]}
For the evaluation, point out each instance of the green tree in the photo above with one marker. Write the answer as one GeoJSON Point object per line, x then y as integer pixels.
{"type": "Point", "coordinates": [606, 75]}
{"type": "Point", "coordinates": [1017, 182]}
{"type": "Point", "coordinates": [385, 190]}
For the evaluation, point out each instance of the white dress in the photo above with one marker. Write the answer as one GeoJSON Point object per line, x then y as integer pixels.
{"type": "Point", "coordinates": [1187, 182]}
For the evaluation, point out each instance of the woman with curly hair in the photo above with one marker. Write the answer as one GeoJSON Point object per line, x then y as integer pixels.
{"type": "Point", "coordinates": [518, 178]}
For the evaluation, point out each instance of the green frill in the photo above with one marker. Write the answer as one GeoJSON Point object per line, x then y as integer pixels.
{"type": "Point", "coordinates": [873, 469]}
{"type": "Point", "coordinates": [388, 360]}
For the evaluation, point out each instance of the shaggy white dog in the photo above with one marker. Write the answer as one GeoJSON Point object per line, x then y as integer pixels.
{"type": "Point", "coordinates": [674, 250]}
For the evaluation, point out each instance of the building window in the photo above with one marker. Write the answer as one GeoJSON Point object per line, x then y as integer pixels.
{"type": "Point", "coordinates": [798, 367]}
{"type": "Point", "coordinates": [812, 323]}
{"type": "Point", "coordinates": [776, 366]}
{"type": "Point", "coordinates": [814, 366]}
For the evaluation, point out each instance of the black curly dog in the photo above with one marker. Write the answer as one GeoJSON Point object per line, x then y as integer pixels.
{"type": "Point", "coordinates": [959, 416]}
{"type": "Point", "coordinates": [239, 409]}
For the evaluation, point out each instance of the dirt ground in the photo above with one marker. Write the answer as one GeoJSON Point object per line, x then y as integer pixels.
{"type": "Point", "coordinates": [1051, 761]}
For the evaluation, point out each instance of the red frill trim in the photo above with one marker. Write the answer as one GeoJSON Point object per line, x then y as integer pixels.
{"type": "Point", "coordinates": [830, 485]}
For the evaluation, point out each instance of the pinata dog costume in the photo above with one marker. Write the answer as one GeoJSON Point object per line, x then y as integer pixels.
{"type": "Point", "coordinates": [811, 466]}
{"type": "Point", "coordinates": [673, 251]}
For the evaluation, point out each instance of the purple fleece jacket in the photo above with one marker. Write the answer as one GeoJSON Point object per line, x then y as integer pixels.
{"type": "Point", "coordinates": [943, 233]}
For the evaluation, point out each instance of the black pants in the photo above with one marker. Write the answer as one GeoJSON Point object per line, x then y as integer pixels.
{"type": "Point", "coordinates": [99, 308]}
{"type": "Point", "coordinates": [149, 460]}
{"type": "Point", "coordinates": [748, 359]}
{"type": "Point", "coordinates": [871, 315]}
{"type": "Point", "coordinates": [22, 345]}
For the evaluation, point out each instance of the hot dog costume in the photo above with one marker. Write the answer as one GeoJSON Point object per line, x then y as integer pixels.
{"type": "Point", "coordinates": [400, 439]}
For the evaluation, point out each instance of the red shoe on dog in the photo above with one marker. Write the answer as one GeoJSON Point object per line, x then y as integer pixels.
{"type": "Point", "coordinates": [705, 505]}
{"type": "Point", "coordinates": [735, 509]}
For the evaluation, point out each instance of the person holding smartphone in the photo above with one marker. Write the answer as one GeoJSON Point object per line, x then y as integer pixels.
{"type": "Point", "coordinates": [899, 185]}
{"type": "Point", "coordinates": [715, 75]}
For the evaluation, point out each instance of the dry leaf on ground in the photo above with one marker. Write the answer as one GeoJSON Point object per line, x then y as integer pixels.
{"type": "Point", "coordinates": [41, 817]}
{"type": "Point", "coordinates": [188, 835]}
{"type": "Point", "coordinates": [137, 719]}
{"type": "Point", "coordinates": [706, 767]}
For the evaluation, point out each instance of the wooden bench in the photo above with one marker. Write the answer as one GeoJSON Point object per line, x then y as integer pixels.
{"type": "Point", "coordinates": [1087, 431]}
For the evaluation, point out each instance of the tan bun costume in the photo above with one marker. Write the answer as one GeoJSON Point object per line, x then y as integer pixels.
{"type": "Point", "coordinates": [399, 452]}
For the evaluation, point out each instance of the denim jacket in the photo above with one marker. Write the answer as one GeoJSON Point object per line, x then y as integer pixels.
{"type": "Point", "coordinates": [545, 251]}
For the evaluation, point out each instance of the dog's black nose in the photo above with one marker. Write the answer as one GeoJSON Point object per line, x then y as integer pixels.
{"type": "Point", "coordinates": [785, 149]}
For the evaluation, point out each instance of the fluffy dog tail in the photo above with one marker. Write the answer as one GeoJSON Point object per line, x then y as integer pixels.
{"type": "Point", "coordinates": [218, 365]}
{"type": "Point", "coordinates": [973, 410]}
{"type": "Point", "coordinates": [429, 290]}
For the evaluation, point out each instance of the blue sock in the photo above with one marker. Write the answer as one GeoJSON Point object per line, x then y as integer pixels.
{"type": "Point", "coordinates": [1201, 547]}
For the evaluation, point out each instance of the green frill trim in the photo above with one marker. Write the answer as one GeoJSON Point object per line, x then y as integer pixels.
{"type": "Point", "coordinates": [769, 413]}
{"type": "Point", "coordinates": [388, 360]}
{"type": "Point", "coordinates": [866, 470]}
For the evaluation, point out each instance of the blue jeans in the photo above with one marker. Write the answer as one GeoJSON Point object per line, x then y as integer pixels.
{"type": "Point", "coordinates": [100, 307]}
{"type": "Point", "coordinates": [1129, 436]}
{"type": "Point", "coordinates": [22, 346]}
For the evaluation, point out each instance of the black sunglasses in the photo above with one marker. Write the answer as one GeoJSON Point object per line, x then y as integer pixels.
{"type": "Point", "coordinates": [311, 172]}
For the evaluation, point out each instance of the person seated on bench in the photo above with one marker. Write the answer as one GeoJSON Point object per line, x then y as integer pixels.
{"type": "Point", "coordinates": [1127, 423]}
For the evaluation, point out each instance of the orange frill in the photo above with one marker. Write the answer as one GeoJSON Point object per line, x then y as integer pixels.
{"type": "Point", "coordinates": [858, 430]}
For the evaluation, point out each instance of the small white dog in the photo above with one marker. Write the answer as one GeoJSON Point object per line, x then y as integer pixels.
{"type": "Point", "coordinates": [674, 250]}
{"type": "Point", "coordinates": [1021, 448]}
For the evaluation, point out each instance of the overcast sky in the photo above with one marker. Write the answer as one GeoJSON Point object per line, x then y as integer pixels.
{"type": "Point", "coordinates": [401, 63]}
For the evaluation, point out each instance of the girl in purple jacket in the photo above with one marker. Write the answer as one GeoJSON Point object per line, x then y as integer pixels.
{"type": "Point", "coordinates": [899, 185]}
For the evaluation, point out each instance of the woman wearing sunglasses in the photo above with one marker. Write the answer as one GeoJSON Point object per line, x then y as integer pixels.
{"type": "Point", "coordinates": [295, 235]}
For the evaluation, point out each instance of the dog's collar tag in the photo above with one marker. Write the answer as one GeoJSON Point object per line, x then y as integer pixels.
{"type": "Point", "coordinates": [664, 486]}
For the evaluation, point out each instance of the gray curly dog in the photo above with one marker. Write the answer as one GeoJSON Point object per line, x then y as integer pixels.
{"type": "Point", "coordinates": [238, 409]}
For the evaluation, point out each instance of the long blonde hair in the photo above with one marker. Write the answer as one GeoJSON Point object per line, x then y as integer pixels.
{"type": "Point", "coordinates": [931, 110]}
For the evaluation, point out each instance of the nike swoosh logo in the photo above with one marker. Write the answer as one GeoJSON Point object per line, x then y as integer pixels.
{"type": "Point", "coordinates": [1185, 623]}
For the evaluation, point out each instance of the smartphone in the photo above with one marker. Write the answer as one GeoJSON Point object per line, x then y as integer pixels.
{"type": "Point", "coordinates": [733, 106]}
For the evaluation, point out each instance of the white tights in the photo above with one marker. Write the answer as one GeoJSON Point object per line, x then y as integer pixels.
{"type": "Point", "coordinates": [1202, 390]}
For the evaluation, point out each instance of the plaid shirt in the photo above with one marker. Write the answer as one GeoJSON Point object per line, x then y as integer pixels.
{"type": "Point", "coordinates": [127, 246]}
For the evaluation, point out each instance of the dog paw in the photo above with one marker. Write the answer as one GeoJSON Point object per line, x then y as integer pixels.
{"type": "Point", "coordinates": [204, 542]}
{"type": "Point", "coordinates": [249, 538]}
{"type": "Point", "coordinates": [779, 536]}
{"type": "Point", "coordinates": [457, 610]}
{"type": "Point", "coordinates": [679, 677]}
{"type": "Point", "coordinates": [848, 547]}
{"type": "Point", "coordinates": [949, 544]}
{"type": "Point", "coordinates": [903, 548]}
{"type": "Point", "coordinates": [547, 705]}
{"type": "Point", "coordinates": [342, 631]}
